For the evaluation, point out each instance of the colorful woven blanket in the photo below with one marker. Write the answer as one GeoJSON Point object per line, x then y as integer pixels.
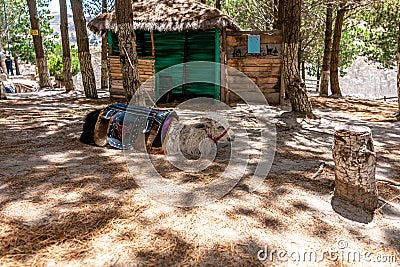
{"type": "Point", "coordinates": [126, 127]}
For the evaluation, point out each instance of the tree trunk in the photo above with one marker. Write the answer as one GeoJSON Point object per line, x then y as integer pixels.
{"type": "Point", "coordinates": [335, 88]}
{"type": "Point", "coordinates": [17, 70]}
{"type": "Point", "coordinates": [2, 92]}
{"type": "Point", "coordinates": [3, 64]}
{"type": "Point", "coordinates": [276, 14]}
{"type": "Point", "coordinates": [67, 67]}
{"type": "Point", "coordinates": [398, 68]}
{"type": "Point", "coordinates": [2, 59]}
{"type": "Point", "coordinates": [41, 63]}
{"type": "Point", "coordinates": [104, 61]}
{"type": "Point", "coordinates": [127, 44]}
{"type": "Point", "coordinates": [325, 75]}
{"type": "Point", "coordinates": [299, 56]}
{"type": "Point", "coordinates": [66, 59]}
{"type": "Point", "coordinates": [203, 1]}
{"type": "Point", "coordinates": [281, 14]}
{"type": "Point", "coordinates": [218, 4]}
{"type": "Point", "coordinates": [2, 88]}
{"type": "Point", "coordinates": [85, 60]}
{"type": "Point", "coordinates": [294, 87]}
{"type": "Point", "coordinates": [355, 160]}
{"type": "Point", "coordinates": [318, 74]}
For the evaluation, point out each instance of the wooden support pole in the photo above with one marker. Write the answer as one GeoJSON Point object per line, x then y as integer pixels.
{"type": "Point", "coordinates": [223, 71]}
{"type": "Point", "coordinates": [282, 89]}
{"type": "Point", "coordinates": [185, 56]}
{"type": "Point", "coordinates": [153, 48]}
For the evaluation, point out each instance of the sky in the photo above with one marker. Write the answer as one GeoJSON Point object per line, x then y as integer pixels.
{"type": "Point", "coordinates": [54, 6]}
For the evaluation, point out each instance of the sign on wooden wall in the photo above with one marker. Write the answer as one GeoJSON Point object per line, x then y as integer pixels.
{"type": "Point", "coordinates": [258, 56]}
{"type": "Point", "coordinates": [253, 44]}
{"type": "Point", "coordinates": [246, 44]}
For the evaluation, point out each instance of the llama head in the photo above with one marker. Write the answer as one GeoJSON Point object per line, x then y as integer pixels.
{"type": "Point", "coordinates": [215, 130]}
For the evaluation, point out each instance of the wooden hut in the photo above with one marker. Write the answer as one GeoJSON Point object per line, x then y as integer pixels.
{"type": "Point", "coordinates": [170, 32]}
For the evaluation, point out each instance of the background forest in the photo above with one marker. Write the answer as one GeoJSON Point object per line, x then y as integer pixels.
{"type": "Point", "coordinates": [370, 29]}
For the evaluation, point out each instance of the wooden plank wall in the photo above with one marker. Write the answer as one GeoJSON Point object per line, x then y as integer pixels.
{"type": "Point", "coordinates": [263, 69]}
{"type": "Point", "coordinates": [146, 71]}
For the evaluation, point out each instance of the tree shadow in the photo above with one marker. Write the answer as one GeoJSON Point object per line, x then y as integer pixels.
{"type": "Point", "coordinates": [54, 190]}
{"type": "Point", "coordinates": [351, 212]}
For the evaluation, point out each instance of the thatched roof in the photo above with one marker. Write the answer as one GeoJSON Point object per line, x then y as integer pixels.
{"type": "Point", "coordinates": [167, 15]}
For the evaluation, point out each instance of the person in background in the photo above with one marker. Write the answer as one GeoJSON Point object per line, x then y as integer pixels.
{"type": "Point", "coordinates": [9, 65]}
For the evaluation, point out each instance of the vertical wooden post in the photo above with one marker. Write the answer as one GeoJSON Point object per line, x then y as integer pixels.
{"type": "Point", "coordinates": [185, 55]}
{"type": "Point", "coordinates": [153, 48]}
{"type": "Point", "coordinates": [282, 88]}
{"type": "Point", "coordinates": [355, 160]}
{"type": "Point", "coordinates": [226, 74]}
{"type": "Point", "coordinates": [223, 77]}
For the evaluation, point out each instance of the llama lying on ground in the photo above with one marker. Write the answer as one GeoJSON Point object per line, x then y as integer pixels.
{"type": "Point", "coordinates": [195, 139]}
{"type": "Point", "coordinates": [159, 129]}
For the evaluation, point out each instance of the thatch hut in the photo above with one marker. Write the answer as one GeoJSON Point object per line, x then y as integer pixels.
{"type": "Point", "coordinates": [170, 32]}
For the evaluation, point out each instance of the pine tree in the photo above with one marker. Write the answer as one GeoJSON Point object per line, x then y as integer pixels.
{"type": "Point", "coordinates": [326, 61]}
{"type": "Point", "coordinates": [337, 34]}
{"type": "Point", "coordinates": [104, 60]}
{"type": "Point", "coordinates": [294, 87]}
{"type": "Point", "coordinates": [41, 62]}
{"type": "Point", "coordinates": [398, 68]}
{"type": "Point", "coordinates": [66, 58]}
{"type": "Point", "coordinates": [127, 44]}
{"type": "Point", "coordinates": [85, 60]}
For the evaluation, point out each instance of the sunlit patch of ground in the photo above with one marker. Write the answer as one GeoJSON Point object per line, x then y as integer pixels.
{"type": "Point", "coordinates": [369, 110]}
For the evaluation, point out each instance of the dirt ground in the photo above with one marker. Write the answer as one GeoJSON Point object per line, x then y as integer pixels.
{"type": "Point", "coordinates": [66, 203]}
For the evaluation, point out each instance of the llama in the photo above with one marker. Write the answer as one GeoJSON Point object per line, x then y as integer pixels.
{"type": "Point", "coordinates": [195, 139]}
{"type": "Point", "coordinates": [162, 130]}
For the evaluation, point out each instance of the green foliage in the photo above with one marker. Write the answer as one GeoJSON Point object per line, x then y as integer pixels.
{"type": "Point", "coordinates": [93, 8]}
{"type": "Point", "coordinates": [21, 43]}
{"type": "Point", "coordinates": [55, 66]}
{"type": "Point", "coordinates": [312, 35]}
{"type": "Point", "coordinates": [372, 32]}
{"type": "Point", "coordinates": [55, 62]}
{"type": "Point", "coordinates": [370, 28]}
{"type": "Point", "coordinates": [250, 15]}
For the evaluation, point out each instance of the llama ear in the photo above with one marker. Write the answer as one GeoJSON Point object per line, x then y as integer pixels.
{"type": "Point", "coordinates": [199, 126]}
